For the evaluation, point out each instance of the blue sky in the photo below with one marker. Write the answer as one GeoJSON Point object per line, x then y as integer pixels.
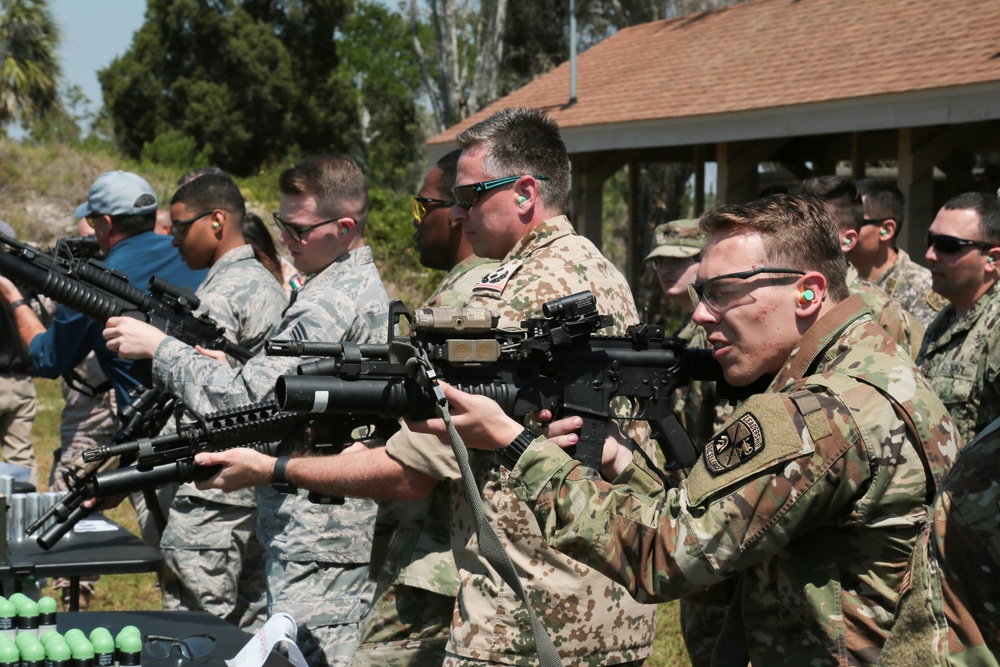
{"type": "Point", "coordinates": [93, 33]}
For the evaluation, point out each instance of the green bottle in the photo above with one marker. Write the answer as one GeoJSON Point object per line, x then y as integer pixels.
{"type": "Point", "coordinates": [57, 653]}
{"type": "Point", "coordinates": [9, 655]}
{"type": "Point", "coordinates": [32, 654]}
{"type": "Point", "coordinates": [73, 634]}
{"type": "Point", "coordinates": [46, 614]}
{"type": "Point", "coordinates": [129, 650]}
{"type": "Point", "coordinates": [104, 648]}
{"type": "Point", "coordinates": [8, 616]}
{"type": "Point", "coordinates": [27, 617]}
{"type": "Point", "coordinates": [82, 653]}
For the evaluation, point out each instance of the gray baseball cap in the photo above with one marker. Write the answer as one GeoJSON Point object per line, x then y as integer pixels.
{"type": "Point", "coordinates": [679, 238]}
{"type": "Point", "coordinates": [118, 193]}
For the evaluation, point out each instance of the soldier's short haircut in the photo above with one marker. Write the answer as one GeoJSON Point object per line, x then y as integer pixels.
{"type": "Point", "coordinates": [334, 180]}
{"type": "Point", "coordinates": [198, 173]}
{"type": "Point", "coordinates": [520, 141]}
{"type": "Point", "coordinates": [798, 232]}
{"type": "Point", "coordinates": [986, 206]}
{"type": "Point", "coordinates": [883, 199]}
{"type": "Point", "coordinates": [448, 164]}
{"type": "Point", "coordinates": [211, 191]}
{"type": "Point", "coordinates": [841, 195]}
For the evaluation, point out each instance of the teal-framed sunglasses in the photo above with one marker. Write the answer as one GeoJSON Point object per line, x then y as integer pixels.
{"type": "Point", "coordinates": [466, 196]}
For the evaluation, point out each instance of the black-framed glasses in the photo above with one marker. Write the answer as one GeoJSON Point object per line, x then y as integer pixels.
{"type": "Point", "coordinates": [177, 226]}
{"type": "Point", "coordinates": [421, 206]}
{"type": "Point", "coordinates": [466, 196]}
{"type": "Point", "coordinates": [718, 294]}
{"type": "Point", "coordinates": [192, 646]}
{"type": "Point", "coordinates": [874, 221]}
{"type": "Point", "coordinates": [297, 232]}
{"type": "Point", "coordinates": [952, 244]}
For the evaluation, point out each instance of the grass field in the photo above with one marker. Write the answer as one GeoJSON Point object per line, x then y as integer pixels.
{"type": "Point", "coordinates": [139, 592]}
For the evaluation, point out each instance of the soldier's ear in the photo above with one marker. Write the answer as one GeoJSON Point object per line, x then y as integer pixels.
{"type": "Point", "coordinates": [888, 230]}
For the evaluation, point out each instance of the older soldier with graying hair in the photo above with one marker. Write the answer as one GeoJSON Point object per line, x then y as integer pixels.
{"type": "Point", "coordinates": [318, 555]}
{"type": "Point", "coordinates": [813, 493]}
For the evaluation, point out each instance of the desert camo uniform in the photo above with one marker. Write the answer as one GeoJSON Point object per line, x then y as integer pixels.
{"type": "Point", "coordinates": [961, 358]}
{"type": "Point", "coordinates": [591, 620]}
{"type": "Point", "coordinates": [948, 612]}
{"type": "Point", "coordinates": [415, 571]}
{"type": "Point", "coordinates": [317, 555]}
{"type": "Point", "coordinates": [901, 325]}
{"type": "Point", "coordinates": [814, 493]}
{"type": "Point", "coordinates": [214, 561]}
{"type": "Point", "coordinates": [910, 284]}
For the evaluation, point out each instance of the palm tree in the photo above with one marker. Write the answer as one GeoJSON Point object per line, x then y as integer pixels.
{"type": "Point", "coordinates": [29, 71]}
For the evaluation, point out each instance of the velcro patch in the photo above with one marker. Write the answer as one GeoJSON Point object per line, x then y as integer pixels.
{"type": "Point", "coordinates": [741, 441]}
{"type": "Point", "coordinates": [760, 435]}
{"type": "Point", "coordinates": [496, 280]}
{"type": "Point", "coordinates": [936, 301]}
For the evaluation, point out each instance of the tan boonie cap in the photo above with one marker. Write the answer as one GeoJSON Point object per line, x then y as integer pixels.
{"type": "Point", "coordinates": [679, 238]}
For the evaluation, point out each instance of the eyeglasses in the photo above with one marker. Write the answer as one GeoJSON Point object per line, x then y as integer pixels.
{"type": "Point", "coordinates": [420, 206]}
{"type": "Point", "coordinates": [192, 646]}
{"type": "Point", "coordinates": [466, 196]}
{"type": "Point", "coordinates": [873, 221]}
{"type": "Point", "coordinates": [719, 295]}
{"type": "Point", "coordinates": [297, 232]}
{"type": "Point", "coordinates": [952, 244]}
{"type": "Point", "coordinates": [177, 226]}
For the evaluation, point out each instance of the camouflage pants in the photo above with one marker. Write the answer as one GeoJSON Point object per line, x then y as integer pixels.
{"type": "Point", "coordinates": [701, 626]}
{"type": "Point", "coordinates": [214, 561]}
{"type": "Point", "coordinates": [452, 660]}
{"type": "Point", "coordinates": [17, 414]}
{"type": "Point", "coordinates": [407, 626]}
{"type": "Point", "coordinates": [328, 602]}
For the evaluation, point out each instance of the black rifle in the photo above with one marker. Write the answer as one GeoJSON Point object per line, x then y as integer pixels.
{"type": "Point", "coordinates": [169, 458]}
{"type": "Point", "coordinates": [77, 247]}
{"type": "Point", "coordinates": [554, 363]}
{"type": "Point", "coordinates": [92, 289]}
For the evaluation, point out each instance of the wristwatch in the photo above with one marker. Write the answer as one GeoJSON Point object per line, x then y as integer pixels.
{"type": "Point", "coordinates": [509, 455]}
{"type": "Point", "coordinates": [280, 482]}
{"type": "Point", "coordinates": [17, 303]}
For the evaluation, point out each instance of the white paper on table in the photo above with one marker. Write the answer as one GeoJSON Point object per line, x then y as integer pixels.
{"type": "Point", "coordinates": [279, 628]}
{"type": "Point", "coordinates": [94, 526]}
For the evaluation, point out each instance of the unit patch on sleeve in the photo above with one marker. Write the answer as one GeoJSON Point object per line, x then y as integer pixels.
{"type": "Point", "coordinates": [496, 280]}
{"type": "Point", "coordinates": [737, 444]}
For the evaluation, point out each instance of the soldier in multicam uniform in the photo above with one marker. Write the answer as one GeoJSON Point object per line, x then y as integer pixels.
{"type": "Point", "coordinates": [215, 562]}
{"type": "Point", "coordinates": [841, 196]}
{"type": "Point", "coordinates": [961, 353]}
{"type": "Point", "coordinates": [514, 179]}
{"type": "Point", "coordinates": [948, 613]}
{"type": "Point", "coordinates": [417, 580]}
{"type": "Point", "coordinates": [318, 555]}
{"type": "Point", "coordinates": [875, 255]}
{"type": "Point", "coordinates": [814, 493]}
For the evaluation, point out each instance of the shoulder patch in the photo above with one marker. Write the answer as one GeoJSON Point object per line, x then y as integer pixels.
{"type": "Point", "coordinates": [936, 301]}
{"type": "Point", "coordinates": [890, 285]}
{"type": "Point", "coordinates": [760, 435]}
{"type": "Point", "coordinates": [495, 281]}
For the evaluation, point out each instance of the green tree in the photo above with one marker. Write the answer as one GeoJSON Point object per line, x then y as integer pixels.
{"type": "Point", "coordinates": [250, 83]}
{"type": "Point", "coordinates": [29, 71]}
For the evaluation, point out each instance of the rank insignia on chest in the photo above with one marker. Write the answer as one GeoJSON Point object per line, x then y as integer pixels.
{"type": "Point", "coordinates": [496, 280]}
{"type": "Point", "coordinates": [740, 442]}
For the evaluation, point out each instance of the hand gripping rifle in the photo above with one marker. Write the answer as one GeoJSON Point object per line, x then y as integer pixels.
{"type": "Point", "coordinates": [555, 363]}
{"type": "Point", "coordinates": [92, 289]}
{"type": "Point", "coordinates": [170, 458]}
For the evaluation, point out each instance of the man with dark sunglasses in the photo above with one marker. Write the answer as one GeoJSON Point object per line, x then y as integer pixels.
{"type": "Point", "coordinates": [878, 259]}
{"type": "Point", "coordinates": [813, 494]}
{"type": "Point", "coordinates": [317, 555]}
{"type": "Point", "coordinates": [961, 351]}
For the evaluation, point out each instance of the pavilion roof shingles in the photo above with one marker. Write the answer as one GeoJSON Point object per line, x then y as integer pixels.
{"type": "Point", "coordinates": [766, 54]}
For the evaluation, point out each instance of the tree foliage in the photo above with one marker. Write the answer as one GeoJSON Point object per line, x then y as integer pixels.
{"type": "Point", "coordinates": [29, 71]}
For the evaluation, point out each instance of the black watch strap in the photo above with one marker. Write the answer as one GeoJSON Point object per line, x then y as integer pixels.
{"type": "Point", "coordinates": [14, 305]}
{"type": "Point", "coordinates": [509, 455]}
{"type": "Point", "coordinates": [280, 482]}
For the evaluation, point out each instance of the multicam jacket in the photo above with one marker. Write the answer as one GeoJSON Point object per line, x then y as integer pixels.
{"type": "Point", "coordinates": [591, 620]}
{"type": "Point", "coordinates": [814, 492]}
{"type": "Point", "coordinates": [910, 284]}
{"type": "Point", "coordinates": [901, 325]}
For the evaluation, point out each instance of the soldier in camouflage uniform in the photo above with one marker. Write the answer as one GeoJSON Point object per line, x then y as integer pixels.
{"type": "Point", "coordinates": [417, 580]}
{"type": "Point", "coordinates": [677, 256]}
{"type": "Point", "coordinates": [814, 493]}
{"type": "Point", "coordinates": [948, 613]}
{"type": "Point", "coordinates": [215, 562]}
{"type": "Point", "coordinates": [517, 218]}
{"type": "Point", "coordinates": [318, 555]}
{"type": "Point", "coordinates": [874, 253]}
{"type": "Point", "coordinates": [961, 353]}
{"type": "Point", "coordinates": [842, 197]}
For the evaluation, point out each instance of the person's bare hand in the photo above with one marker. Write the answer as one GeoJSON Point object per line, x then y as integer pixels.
{"type": "Point", "coordinates": [104, 504]}
{"type": "Point", "coordinates": [241, 468]}
{"type": "Point", "coordinates": [479, 420]}
{"type": "Point", "coordinates": [132, 339]}
{"type": "Point", "coordinates": [218, 355]}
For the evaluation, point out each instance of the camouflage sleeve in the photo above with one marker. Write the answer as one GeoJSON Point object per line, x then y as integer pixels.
{"type": "Point", "coordinates": [756, 487]}
{"type": "Point", "coordinates": [247, 304]}
{"type": "Point", "coordinates": [902, 327]}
